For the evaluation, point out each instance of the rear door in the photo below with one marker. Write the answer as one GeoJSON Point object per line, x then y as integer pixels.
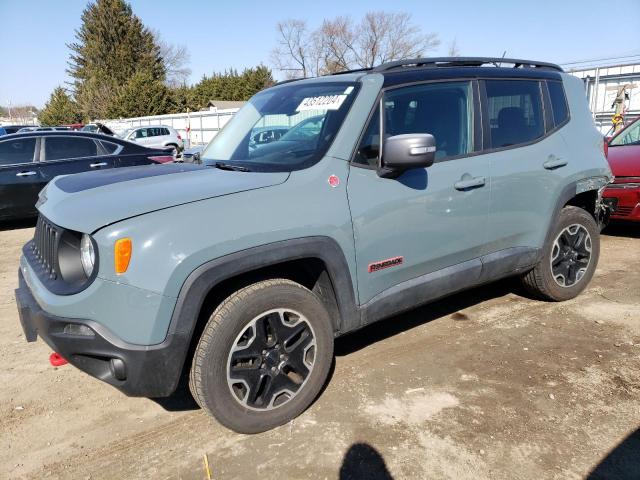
{"type": "Point", "coordinates": [528, 160]}
{"type": "Point", "coordinates": [67, 154]}
{"type": "Point", "coordinates": [20, 180]}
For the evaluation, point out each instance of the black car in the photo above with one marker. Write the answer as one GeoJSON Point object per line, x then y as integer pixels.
{"type": "Point", "coordinates": [14, 128]}
{"type": "Point", "coordinates": [28, 161]}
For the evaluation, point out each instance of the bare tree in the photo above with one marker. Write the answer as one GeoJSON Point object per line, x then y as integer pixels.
{"type": "Point", "coordinates": [176, 59]}
{"type": "Point", "coordinates": [295, 48]}
{"type": "Point", "coordinates": [454, 51]}
{"type": "Point", "coordinates": [340, 44]}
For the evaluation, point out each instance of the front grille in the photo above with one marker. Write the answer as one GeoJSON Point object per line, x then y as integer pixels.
{"type": "Point", "coordinates": [45, 246]}
{"type": "Point", "coordinates": [623, 211]}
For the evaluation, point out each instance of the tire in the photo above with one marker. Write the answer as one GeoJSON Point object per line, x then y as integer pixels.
{"type": "Point", "coordinates": [564, 271]}
{"type": "Point", "coordinates": [174, 150]}
{"type": "Point", "coordinates": [232, 350]}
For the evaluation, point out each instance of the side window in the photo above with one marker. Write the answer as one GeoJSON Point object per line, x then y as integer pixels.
{"type": "Point", "coordinates": [141, 133]}
{"type": "Point", "coordinates": [369, 148]}
{"type": "Point", "coordinates": [20, 150]}
{"type": "Point", "coordinates": [60, 148]}
{"type": "Point", "coordinates": [515, 111]}
{"type": "Point", "coordinates": [109, 147]}
{"type": "Point", "coordinates": [558, 102]}
{"type": "Point", "coordinates": [165, 131]}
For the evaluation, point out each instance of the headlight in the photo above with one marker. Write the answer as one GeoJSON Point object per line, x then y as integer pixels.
{"type": "Point", "coordinates": [87, 255]}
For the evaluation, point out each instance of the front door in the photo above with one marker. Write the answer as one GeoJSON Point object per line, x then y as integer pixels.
{"type": "Point", "coordinates": [426, 219]}
{"type": "Point", "coordinates": [20, 180]}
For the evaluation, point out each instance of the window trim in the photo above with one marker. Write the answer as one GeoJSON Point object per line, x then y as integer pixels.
{"type": "Point", "coordinates": [42, 157]}
{"type": "Point", "coordinates": [34, 159]}
{"type": "Point", "coordinates": [485, 110]}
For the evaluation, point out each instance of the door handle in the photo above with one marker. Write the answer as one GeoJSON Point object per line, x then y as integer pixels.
{"type": "Point", "coordinates": [100, 164]}
{"type": "Point", "coordinates": [25, 174]}
{"type": "Point", "coordinates": [554, 162]}
{"type": "Point", "coordinates": [469, 183]}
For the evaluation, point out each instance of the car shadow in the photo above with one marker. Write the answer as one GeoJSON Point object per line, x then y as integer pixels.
{"type": "Point", "coordinates": [17, 224]}
{"type": "Point", "coordinates": [450, 305]}
{"type": "Point", "coordinates": [622, 463]}
{"type": "Point", "coordinates": [622, 229]}
{"type": "Point", "coordinates": [363, 461]}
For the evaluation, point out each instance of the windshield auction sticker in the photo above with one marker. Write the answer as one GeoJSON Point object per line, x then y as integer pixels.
{"type": "Point", "coordinates": [323, 102]}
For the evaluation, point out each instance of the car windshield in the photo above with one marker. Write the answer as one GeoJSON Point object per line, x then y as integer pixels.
{"type": "Point", "coordinates": [126, 133]}
{"type": "Point", "coordinates": [629, 136]}
{"type": "Point", "coordinates": [284, 128]}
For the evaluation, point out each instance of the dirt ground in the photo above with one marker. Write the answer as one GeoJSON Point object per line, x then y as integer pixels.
{"type": "Point", "coordinates": [485, 384]}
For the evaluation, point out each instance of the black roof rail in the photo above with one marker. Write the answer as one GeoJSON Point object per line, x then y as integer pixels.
{"type": "Point", "coordinates": [463, 62]}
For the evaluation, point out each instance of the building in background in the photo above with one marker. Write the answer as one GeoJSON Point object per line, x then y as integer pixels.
{"type": "Point", "coordinates": [605, 82]}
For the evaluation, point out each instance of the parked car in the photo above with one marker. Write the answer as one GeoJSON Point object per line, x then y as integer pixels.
{"type": "Point", "coordinates": [624, 158]}
{"type": "Point", "coordinates": [426, 177]}
{"type": "Point", "coordinates": [192, 155]}
{"type": "Point", "coordinates": [97, 128]}
{"type": "Point", "coordinates": [14, 128]}
{"type": "Point", "coordinates": [156, 136]}
{"type": "Point", "coordinates": [28, 161]}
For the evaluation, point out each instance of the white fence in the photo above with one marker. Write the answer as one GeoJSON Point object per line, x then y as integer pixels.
{"type": "Point", "coordinates": [203, 125]}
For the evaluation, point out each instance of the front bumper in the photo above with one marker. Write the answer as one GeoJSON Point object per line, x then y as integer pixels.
{"type": "Point", "coordinates": [627, 200]}
{"type": "Point", "coordinates": [140, 371]}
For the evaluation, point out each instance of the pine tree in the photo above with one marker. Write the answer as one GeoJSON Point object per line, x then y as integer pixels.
{"type": "Point", "coordinates": [60, 109]}
{"type": "Point", "coordinates": [142, 95]}
{"type": "Point", "coordinates": [112, 46]}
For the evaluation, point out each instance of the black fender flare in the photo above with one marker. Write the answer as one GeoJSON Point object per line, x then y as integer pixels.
{"type": "Point", "coordinates": [200, 282]}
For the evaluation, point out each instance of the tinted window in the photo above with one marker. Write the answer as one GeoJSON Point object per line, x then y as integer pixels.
{"type": "Point", "coordinates": [558, 102]}
{"type": "Point", "coordinates": [165, 131]}
{"type": "Point", "coordinates": [369, 147]}
{"type": "Point", "coordinates": [141, 133]}
{"type": "Point", "coordinates": [109, 147]}
{"type": "Point", "coordinates": [515, 111]}
{"type": "Point", "coordinates": [17, 151]}
{"type": "Point", "coordinates": [442, 109]}
{"type": "Point", "coordinates": [57, 148]}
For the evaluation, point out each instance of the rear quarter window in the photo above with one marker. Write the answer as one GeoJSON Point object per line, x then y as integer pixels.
{"type": "Point", "coordinates": [558, 100]}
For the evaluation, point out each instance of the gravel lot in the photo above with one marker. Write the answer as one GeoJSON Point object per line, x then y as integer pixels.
{"type": "Point", "coordinates": [485, 384]}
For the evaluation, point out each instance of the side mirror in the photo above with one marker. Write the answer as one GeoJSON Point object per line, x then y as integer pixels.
{"type": "Point", "coordinates": [403, 152]}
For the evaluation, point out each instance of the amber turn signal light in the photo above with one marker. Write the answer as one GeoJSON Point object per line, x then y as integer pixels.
{"type": "Point", "coordinates": [122, 254]}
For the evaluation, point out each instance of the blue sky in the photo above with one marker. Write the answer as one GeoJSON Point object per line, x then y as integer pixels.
{"type": "Point", "coordinates": [241, 33]}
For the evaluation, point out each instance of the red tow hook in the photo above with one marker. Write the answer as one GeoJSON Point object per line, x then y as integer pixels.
{"type": "Point", "coordinates": [56, 360]}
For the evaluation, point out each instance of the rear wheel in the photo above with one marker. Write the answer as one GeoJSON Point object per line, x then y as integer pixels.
{"type": "Point", "coordinates": [263, 356]}
{"type": "Point", "coordinates": [569, 260]}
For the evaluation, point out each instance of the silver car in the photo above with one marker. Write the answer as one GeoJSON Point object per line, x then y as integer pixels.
{"type": "Point", "coordinates": [155, 136]}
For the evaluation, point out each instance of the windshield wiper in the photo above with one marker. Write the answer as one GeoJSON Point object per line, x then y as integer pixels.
{"type": "Point", "coordinates": [228, 166]}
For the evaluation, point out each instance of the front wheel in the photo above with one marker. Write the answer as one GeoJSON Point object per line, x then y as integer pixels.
{"type": "Point", "coordinates": [263, 356]}
{"type": "Point", "coordinates": [569, 259]}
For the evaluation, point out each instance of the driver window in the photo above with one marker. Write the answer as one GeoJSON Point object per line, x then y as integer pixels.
{"type": "Point", "coordinates": [445, 110]}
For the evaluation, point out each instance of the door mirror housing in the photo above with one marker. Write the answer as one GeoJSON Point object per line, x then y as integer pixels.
{"type": "Point", "coordinates": [407, 151]}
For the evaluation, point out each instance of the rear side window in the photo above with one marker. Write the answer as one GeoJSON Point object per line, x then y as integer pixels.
{"type": "Point", "coordinates": [165, 131]}
{"type": "Point", "coordinates": [515, 112]}
{"type": "Point", "coordinates": [558, 103]}
{"type": "Point", "coordinates": [109, 147]}
{"type": "Point", "coordinates": [20, 150]}
{"type": "Point", "coordinates": [59, 148]}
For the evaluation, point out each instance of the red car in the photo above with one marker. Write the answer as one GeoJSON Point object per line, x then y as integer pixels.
{"type": "Point", "coordinates": [624, 158]}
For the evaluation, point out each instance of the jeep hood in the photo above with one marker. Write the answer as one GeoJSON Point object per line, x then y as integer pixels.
{"type": "Point", "coordinates": [88, 201]}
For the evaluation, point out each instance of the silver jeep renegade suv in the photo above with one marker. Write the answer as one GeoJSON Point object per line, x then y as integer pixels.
{"type": "Point", "coordinates": [325, 204]}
